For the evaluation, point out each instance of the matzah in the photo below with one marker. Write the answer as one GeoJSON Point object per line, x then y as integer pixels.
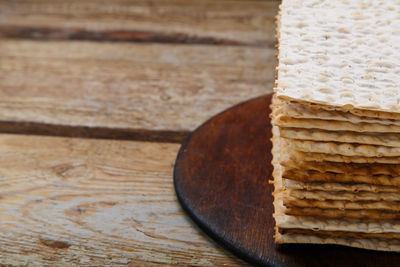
{"type": "Point", "coordinates": [329, 187]}
{"type": "Point", "coordinates": [357, 112]}
{"type": "Point", "coordinates": [338, 214]}
{"type": "Point", "coordinates": [289, 152]}
{"type": "Point", "coordinates": [320, 157]}
{"type": "Point", "coordinates": [285, 221]}
{"type": "Point", "coordinates": [347, 196]}
{"type": "Point", "coordinates": [285, 121]}
{"type": "Point", "coordinates": [295, 110]}
{"type": "Point", "coordinates": [342, 234]}
{"type": "Point", "coordinates": [336, 124]}
{"type": "Point", "coordinates": [343, 50]}
{"type": "Point", "coordinates": [341, 205]}
{"type": "Point", "coordinates": [327, 167]}
{"type": "Point", "coordinates": [380, 139]}
{"type": "Point", "coordinates": [345, 149]}
{"type": "Point", "coordinates": [366, 243]}
{"type": "Point", "coordinates": [315, 176]}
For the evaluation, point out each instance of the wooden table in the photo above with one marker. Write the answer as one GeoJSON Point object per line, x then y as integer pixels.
{"type": "Point", "coordinates": [95, 97]}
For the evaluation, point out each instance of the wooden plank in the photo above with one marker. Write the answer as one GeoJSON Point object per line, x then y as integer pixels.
{"type": "Point", "coordinates": [80, 202]}
{"type": "Point", "coordinates": [176, 21]}
{"type": "Point", "coordinates": [127, 86]}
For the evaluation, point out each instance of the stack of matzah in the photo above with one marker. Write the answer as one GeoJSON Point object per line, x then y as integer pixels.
{"type": "Point", "coordinates": [336, 118]}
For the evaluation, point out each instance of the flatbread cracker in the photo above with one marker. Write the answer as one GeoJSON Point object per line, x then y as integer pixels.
{"type": "Point", "coordinates": [320, 157]}
{"type": "Point", "coordinates": [284, 221]}
{"type": "Point", "coordinates": [367, 243]}
{"type": "Point", "coordinates": [340, 204]}
{"type": "Point", "coordinates": [328, 68]}
{"type": "Point", "coordinates": [299, 111]}
{"type": "Point", "coordinates": [380, 139]}
{"type": "Point", "coordinates": [289, 152]}
{"type": "Point", "coordinates": [341, 234]}
{"type": "Point", "coordinates": [357, 112]}
{"type": "Point", "coordinates": [285, 121]}
{"type": "Point", "coordinates": [335, 67]}
{"type": "Point", "coordinates": [339, 214]}
{"type": "Point", "coordinates": [342, 195]}
{"type": "Point", "coordinates": [343, 168]}
{"type": "Point", "coordinates": [316, 176]}
{"type": "Point", "coordinates": [347, 224]}
{"type": "Point", "coordinates": [345, 149]}
{"type": "Point", "coordinates": [336, 187]}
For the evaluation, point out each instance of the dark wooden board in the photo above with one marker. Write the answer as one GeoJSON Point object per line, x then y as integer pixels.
{"type": "Point", "coordinates": [221, 179]}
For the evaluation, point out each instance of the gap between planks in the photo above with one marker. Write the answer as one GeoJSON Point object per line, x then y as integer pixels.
{"type": "Point", "coordinates": [77, 34]}
{"type": "Point", "coordinates": [42, 129]}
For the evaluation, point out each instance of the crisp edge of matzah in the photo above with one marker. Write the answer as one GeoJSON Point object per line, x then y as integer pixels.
{"type": "Point", "coordinates": [345, 149]}
{"type": "Point", "coordinates": [292, 184]}
{"type": "Point", "coordinates": [369, 243]}
{"type": "Point", "coordinates": [378, 139]}
{"type": "Point", "coordinates": [342, 195]}
{"type": "Point", "coordinates": [300, 111]}
{"type": "Point", "coordinates": [286, 221]}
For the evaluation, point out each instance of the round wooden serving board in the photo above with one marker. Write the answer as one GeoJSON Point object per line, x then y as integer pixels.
{"type": "Point", "coordinates": [221, 179]}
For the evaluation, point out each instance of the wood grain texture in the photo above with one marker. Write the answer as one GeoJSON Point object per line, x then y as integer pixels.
{"type": "Point", "coordinates": [127, 86]}
{"type": "Point", "coordinates": [80, 202]}
{"type": "Point", "coordinates": [174, 21]}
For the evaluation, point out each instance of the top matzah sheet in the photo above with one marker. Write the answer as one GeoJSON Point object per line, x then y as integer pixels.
{"type": "Point", "coordinates": [340, 53]}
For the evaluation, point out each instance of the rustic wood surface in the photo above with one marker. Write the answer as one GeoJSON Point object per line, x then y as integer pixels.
{"type": "Point", "coordinates": [80, 201]}
{"type": "Point", "coordinates": [174, 21]}
{"type": "Point", "coordinates": [133, 71]}
{"type": "Point", "coordinates": [131, 86]}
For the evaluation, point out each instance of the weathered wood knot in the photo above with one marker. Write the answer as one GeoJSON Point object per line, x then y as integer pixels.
{"type": "Point", "coordinates": [54, 243]}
